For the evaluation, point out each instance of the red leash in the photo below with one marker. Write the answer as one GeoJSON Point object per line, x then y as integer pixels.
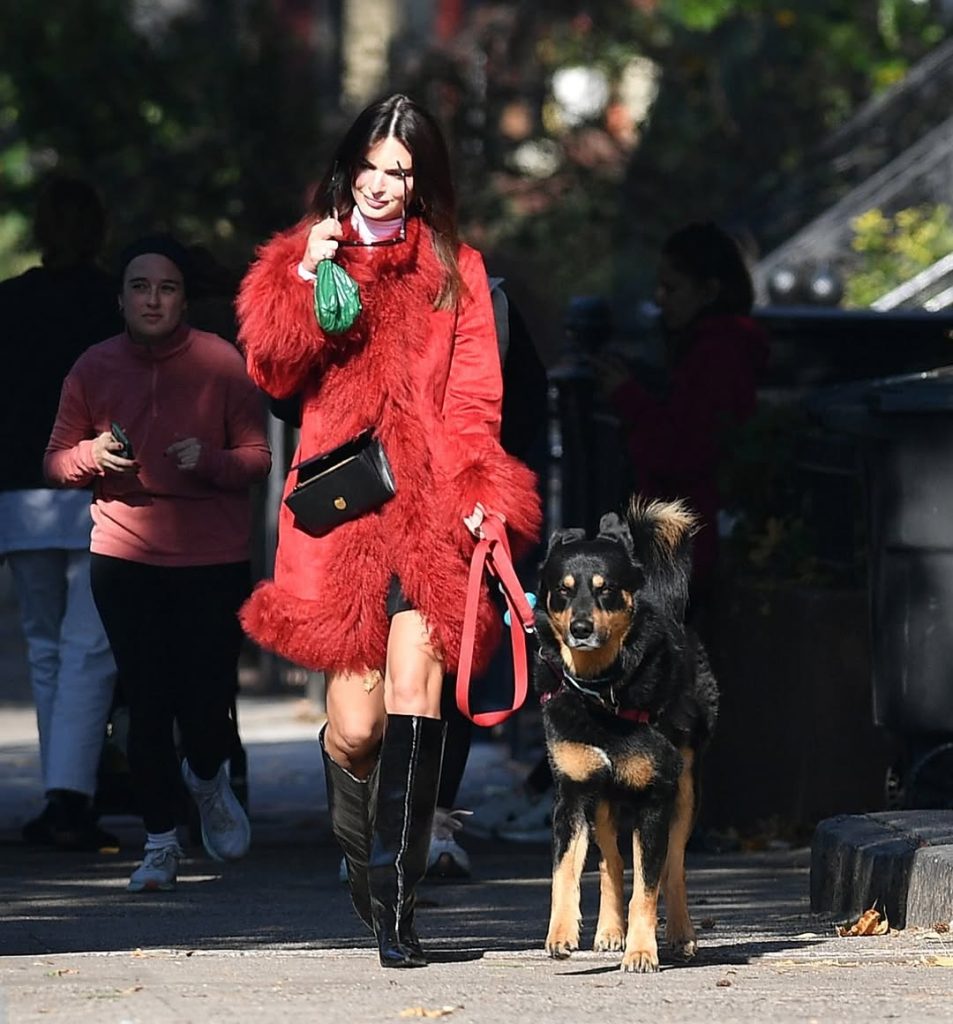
{"type": "Point", "coordinates": [492, 553]}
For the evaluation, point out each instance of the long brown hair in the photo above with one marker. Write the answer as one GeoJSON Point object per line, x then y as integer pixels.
{"type": "Point", "coordinates": [434, 199]}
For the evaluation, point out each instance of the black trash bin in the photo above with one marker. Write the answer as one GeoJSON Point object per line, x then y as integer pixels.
{"type": "Point", "coordinates": [905, 426]}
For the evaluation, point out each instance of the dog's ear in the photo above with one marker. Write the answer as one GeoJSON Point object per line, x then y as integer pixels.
{"type": "Point", "coordinates": [612, 527]}
{"type": "Point", "coordinates": [570, 536]}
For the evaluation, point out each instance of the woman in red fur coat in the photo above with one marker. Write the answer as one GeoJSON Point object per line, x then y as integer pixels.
{"type": "Point", "coordinates": [378, 602]}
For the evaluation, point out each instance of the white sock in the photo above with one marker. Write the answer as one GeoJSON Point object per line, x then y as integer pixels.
{"type": "Point", "coordinates": [158, 840]}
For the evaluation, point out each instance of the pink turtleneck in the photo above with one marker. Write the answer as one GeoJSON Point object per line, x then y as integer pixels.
{"type": "Point", "coordinates": [192, 385]}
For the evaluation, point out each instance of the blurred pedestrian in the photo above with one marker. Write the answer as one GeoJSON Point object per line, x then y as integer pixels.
{"type": "Point", "coordinates": [522, 435]}
{"type": "Point", "coordinates": [715, 353]}
{"type": "Point", "coordinates": [378, 602]}
{"type": "Point", "coordinates": [50, 315]}
{"type": "Point", "coordinates": [676, 436]}
{"type": "Point", "coordinates": [163, 421]}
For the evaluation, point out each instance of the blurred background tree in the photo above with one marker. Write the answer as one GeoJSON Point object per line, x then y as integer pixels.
{"type": "Point", "coordinates": [583, 132]}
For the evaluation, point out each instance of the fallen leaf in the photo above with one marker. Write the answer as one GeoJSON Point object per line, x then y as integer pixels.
{"type": "Point", "coordinates": [707, 923]}
{"type": "Point", "coordinates": [870, 922]}
{"type": "Point", "coordinates": [941, 926]}
{"type": "Point", "coordinates": [129, 991]}
{"type": "Point", "coordinates": [723, 983]}
{"type": "Point", "coordinates": [60, 971]}
{"type": "Point", "coordinates": [939, 961]}
{"type": "Point", "coordinates": [423, 1011]}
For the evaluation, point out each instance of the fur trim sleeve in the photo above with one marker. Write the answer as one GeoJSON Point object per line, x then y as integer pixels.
{"type": "Point", "coordinates": [504, 485]}
{"type": "Point", "coordinates": [482, 470]}
{"type": "Point", "coordinates": [277, 327]}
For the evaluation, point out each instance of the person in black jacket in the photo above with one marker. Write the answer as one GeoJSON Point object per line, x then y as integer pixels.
{"type": "Point", "coordinates": [50, 314]}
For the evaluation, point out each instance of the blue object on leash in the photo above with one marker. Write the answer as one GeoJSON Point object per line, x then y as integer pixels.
{"type": "Point", "coordinates": [531, 598]}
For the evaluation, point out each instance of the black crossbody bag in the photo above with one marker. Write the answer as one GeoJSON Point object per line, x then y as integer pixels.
{"type": "Point", "coordinates": [343, 484]}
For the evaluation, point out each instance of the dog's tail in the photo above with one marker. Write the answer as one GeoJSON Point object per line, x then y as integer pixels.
{"type": "Point", "coordinates": [662, 534]}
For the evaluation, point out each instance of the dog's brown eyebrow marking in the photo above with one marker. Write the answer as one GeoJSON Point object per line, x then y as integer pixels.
{"type": "Point", "coordinates": [569, 580]}
{"type": "Point", "coordinates": [598, 581]}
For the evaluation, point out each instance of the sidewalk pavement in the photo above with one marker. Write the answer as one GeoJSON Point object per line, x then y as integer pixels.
{"type": "Point", "coordinates": [272, 938]}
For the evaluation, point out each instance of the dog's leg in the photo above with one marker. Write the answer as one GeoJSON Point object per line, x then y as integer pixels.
{"type": "Point", "coordinates": [649, 841]}
{"type": "Point", "coordinates": [679, 931]}
{"type": "Point", "coordinates": [610, 930]}
{"type": "Point", "coordinates": [570, 844]}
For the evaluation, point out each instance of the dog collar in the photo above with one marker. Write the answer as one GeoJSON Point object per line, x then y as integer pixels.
{"type": "Point", "coordinates": [605, 697]}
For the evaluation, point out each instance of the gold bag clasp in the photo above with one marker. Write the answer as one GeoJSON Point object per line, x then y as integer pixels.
{"type": "Point", "coordinates": [340, 504]}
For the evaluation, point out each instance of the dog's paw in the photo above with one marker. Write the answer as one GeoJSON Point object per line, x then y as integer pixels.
{"type": "Point", "coordinates": [561, 947]}
{"type": "Point", "coordinates": [640, 961]}
{"type": "Point", "coordinates": [609, 940]}
{"type": "Point", "coordinates": [682, 949]}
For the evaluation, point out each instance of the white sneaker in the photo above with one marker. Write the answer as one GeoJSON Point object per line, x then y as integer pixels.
{"type": "Point", "coordinates": [226, 832]}
{"type": "Point", "coordinates": [501, 811]}
{"type": "Point", "coordinates": [534, 825]}
{"type": "Point", "coordinates": [447, 858]}
{"type": "Point", "coordinates": [158, 870]}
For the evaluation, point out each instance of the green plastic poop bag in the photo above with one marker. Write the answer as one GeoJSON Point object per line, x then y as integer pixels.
{"type": "Point", "coordinates": [337, 300]}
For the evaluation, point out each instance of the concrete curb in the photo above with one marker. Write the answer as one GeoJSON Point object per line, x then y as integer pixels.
{"type": "Point", "coordinates": [902, 861]}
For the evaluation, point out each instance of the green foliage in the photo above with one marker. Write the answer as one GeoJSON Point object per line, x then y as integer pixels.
{"type": "Point", "coordinates": [204, 124]}
{"type": "Point", "coordinates": [777, 504]}
{"type": "Point", "coordinates": [209, 122]}
{"type": "Point", "coordinates": [747, 90]}
{"type": "Point", "coordinates": [759, 492]}
{"type": "Point", "coordinates": [892, 249]}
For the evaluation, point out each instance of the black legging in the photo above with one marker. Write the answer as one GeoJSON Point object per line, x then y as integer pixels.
{"type": "Point", "coordinates": [176, 639]}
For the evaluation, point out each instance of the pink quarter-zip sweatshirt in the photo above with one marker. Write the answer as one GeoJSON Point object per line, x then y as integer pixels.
{"type": "Point", "coordinates": [193, 385]}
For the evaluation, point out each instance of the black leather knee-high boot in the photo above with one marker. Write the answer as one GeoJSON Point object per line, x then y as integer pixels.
{"type": "Point", "coordinates": [409, 774]}
{"type": "Point", "coordinates": [350, 804]}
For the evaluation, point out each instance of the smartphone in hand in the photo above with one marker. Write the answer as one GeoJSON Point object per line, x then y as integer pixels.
{"type": "Point", "coordinates": [120, 435]}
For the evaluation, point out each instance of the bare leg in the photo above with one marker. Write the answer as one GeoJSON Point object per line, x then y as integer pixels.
{"type": "Point", "coordinates": [414, 675]}
{"type": "Point", "coordinates": [355, 720]}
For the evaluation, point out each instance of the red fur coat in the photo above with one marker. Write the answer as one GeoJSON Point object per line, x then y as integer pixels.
{"type": "Point", "coordinates": [429, 382]}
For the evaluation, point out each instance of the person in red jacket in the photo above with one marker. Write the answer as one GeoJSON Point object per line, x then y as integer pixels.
{"type": "Point", "coordinates": [715, 353]}
{"type": "Point", "coordinates": [378, 602]}
{"type": "Point", "coordinates": [165, 424]}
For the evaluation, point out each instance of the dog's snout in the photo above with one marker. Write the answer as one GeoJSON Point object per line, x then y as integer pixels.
{"type": "Point", "coordinates": [581, 628]}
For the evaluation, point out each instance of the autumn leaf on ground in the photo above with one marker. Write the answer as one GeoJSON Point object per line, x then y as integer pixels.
{"type": "Point", "coordinates": [423, 1011]}
{"type": "Point", "coordinates": [60, 971]}
{"type": "Point", "coordinates": [939, 961]}
{"type": "Point", "coordinates": [870, 922]}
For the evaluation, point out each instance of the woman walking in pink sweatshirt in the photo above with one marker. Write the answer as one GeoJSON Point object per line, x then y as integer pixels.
{"type": "Point", "coordinates": [164, 424]}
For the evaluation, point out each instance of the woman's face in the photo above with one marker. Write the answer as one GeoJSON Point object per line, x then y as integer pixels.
{"type": "Point", "coordinates": [681, 298]}
{"type": "Point", "coordinates": [153, 298]}
{"type": "Point", "coordinates": [378, 187]}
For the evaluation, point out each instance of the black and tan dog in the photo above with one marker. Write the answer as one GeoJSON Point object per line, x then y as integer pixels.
{"type": "Point", "coordinates": [629, 702]}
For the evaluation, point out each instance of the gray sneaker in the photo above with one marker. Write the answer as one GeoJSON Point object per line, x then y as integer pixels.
{"type": "Point", "coordinates": [226, 832]}
{"type": "Point", "coordinates": [447, 858]}
{"type": "Point", "coordinates": [158, 870]}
